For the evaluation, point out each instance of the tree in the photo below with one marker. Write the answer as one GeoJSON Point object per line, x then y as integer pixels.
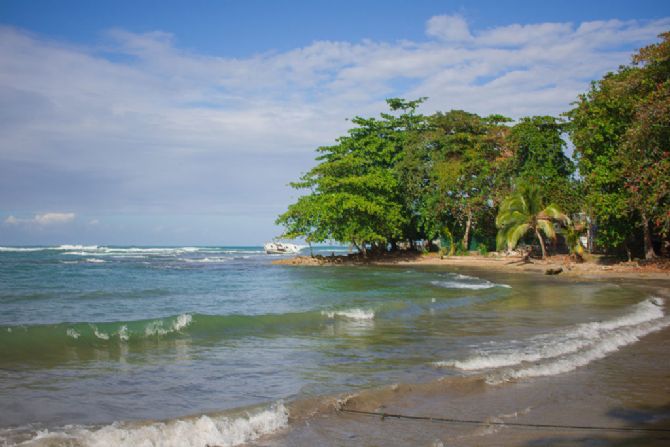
{"type": "Point", "coordinates": [354, 192]}
{"type": "Point", "coordinates": [459, 152]}
{"type": "Point", "coordinates": [646, 143]}
{"type": "Point", "coordinates": [621, 133]}
{"type": "Point", "coordinates": [524, 211]}
{"type": "Point", "coordinates": [539, 158]}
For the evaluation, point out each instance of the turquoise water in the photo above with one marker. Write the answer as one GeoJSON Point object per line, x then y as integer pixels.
{"type": "Point", "coordinates": [93, 335]}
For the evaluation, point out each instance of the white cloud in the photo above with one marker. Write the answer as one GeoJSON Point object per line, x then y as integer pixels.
{"type": "Point", "coordinates": [142, 125]}
{"type": "Point", "coordinates": [448, 28]}
{"type": "Point", "coordinates": [45, 219]}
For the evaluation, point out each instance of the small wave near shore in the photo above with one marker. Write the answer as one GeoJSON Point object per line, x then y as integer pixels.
{"type": "Point", "coordinates": [223, 430]}
{"type": "Point", "coordinates": [566, 349]}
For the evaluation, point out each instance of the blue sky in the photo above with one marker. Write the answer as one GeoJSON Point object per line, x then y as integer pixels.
{"type": "Point", "coordinates": [163, 122]}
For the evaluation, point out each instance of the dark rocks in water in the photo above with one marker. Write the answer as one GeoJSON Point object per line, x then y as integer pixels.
{"type": "Point", "coordinates": [555, 271]}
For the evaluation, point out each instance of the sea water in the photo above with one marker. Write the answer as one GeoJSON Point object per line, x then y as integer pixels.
{"type": "Point", "coordinates": [209, 345]}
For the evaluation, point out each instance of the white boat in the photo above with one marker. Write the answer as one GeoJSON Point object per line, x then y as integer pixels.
{"type": "Point", "coordinates": [281, 248]}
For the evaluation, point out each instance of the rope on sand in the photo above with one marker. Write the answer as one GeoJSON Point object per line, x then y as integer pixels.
{"type": "Point", "coordinates": [509, 424]}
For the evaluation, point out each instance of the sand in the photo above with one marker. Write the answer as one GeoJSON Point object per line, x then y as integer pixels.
{"type": "Point", "coordinates": [594, 269]}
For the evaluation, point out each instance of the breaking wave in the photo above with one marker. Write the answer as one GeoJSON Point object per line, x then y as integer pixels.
{"type": "Point", "coordinates": [567, 349]}
{"type": "Point", "coordinates": [350, 314]}
{"type": "Point", "coordinates": [199, 431]}
{"type": "Point", "coordinates": [458, 281]}
{"type": "Point", "coordinates": [67, 339]}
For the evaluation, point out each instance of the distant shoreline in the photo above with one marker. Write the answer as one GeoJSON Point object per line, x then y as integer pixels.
{"type": "Point", "coordinates": [511, 264]}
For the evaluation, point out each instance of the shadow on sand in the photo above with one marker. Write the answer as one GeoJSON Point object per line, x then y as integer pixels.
{"type": "Point", "coordinates": [646, 418]}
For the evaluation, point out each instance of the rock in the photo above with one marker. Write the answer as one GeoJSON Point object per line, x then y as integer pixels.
{"type": "Point", "coordinates": [554, 271]}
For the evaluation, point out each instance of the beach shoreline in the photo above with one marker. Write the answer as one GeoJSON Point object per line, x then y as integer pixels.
{"type": "Point", "coordinates": [510, 264]}
{"type": "Point", "coordinates": [586, 407]}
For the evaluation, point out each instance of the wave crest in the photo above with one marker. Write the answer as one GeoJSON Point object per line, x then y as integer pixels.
{"type": "Point", "coordinates": [191, 432]}
{"type": "Point", "coordinates": [567, 349]}
{"type": "Point", "coordinates": [350, 314]}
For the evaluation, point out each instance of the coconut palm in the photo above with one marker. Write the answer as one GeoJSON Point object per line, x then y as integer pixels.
{"type": "Point", "coordinates": [524, 211]}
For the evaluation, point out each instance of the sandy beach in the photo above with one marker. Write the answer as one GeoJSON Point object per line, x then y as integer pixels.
{"type": "Point", "coordinates": [594, 269]}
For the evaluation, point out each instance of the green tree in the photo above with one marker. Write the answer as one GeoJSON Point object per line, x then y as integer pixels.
{"type": "Point", "coordinates": [620, 130]}
{"type": "Point", "coordinates": [524, 211]}
{"type": "Point", "coordinates": [354, 192]}
{"type": "Point", "coordinates": [457, 163]}
{"type": "Point", "coordinates": [646, 143]}
{"type": "Point", "coordinates": [539, 158]}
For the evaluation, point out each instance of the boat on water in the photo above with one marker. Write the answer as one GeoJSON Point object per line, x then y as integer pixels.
{"type": "Point", "coordinates": [280, 248]}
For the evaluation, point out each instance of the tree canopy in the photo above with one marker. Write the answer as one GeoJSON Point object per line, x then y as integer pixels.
{"type": "Point", "coordinates": [404, 176]}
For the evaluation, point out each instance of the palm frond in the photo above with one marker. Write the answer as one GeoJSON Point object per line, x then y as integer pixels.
{"type": "Point", "coordinates": [516, 233]}
{"type": "Point", "coordinates": [547, 228]}
{"type": "Point", "coordinates": [552, 211]}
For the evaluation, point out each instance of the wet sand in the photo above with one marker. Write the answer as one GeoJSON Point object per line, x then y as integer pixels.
{"type": "Point", "coordinates": [628, 389]}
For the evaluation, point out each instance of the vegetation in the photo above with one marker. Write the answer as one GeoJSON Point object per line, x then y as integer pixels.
{"type": "Point", "coordinates": [405, 177]}
{"type": "Point", "coordinates": [524, 211]}
{"type": "Point", "coordinates": [621, 132]}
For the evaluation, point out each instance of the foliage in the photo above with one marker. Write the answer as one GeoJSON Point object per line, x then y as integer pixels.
{"type": "Point", "coordinates": [575, 246]}
{"type": "Point", "coordinates": [539, 158]}
{"type": "Point", "coordinates": [524, 211]}
{"type": "Point", "coordinates": [459, 153]}
{"type": "Point", "coordinates": [447, 247]}
{"type": "Point", "coordinates": [622, 139]}
{"type": "Point", "coordinates": [355, 194]}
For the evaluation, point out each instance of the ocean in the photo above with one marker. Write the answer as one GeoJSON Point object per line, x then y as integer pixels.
{"type": "Point", "coordinates": [105, 345]}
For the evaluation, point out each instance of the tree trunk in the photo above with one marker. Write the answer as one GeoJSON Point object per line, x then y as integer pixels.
{"type": "Point", "coordinates": [649, 252]}
{"type": "Point", "coordinates": [311, 253]}
{"type": "Point", "coordinates": [466, 237]}
{"type": "Point", "coordinates": [539, 238]}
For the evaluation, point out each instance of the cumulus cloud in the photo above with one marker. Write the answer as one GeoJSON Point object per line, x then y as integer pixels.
{"type": "Point", "coordinates": [45, 219]}
{"type": "Point", "coordinates": [141, 125]}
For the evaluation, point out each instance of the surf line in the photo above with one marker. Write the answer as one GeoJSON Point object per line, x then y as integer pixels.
{"type": "Point", "coordinates": [509, 424]}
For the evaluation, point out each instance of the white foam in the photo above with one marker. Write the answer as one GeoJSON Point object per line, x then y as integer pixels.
{"type": "Point", "coordinates": [100, 335]}
{"type": "Point", "coordinates": [76, 247]}
{"type": "Point", "coordinates": [598, 351]}
{"type": "Point", "coordinates": [95, 260]}
{"type": "Point", "coordinates": [350, 314]}
{"type": "Point", "coordinates": [468, 285]}
{"type": "Point", "coordinates": [193, 432]}
{"type": "Point", "coordinates": [158, 328]}
{"type": "Point", "coordinates": [123, 333]}
{"type": "Point", "coordinates": [213, 260]}
{"type": "Point", "coordinates": [22, 249]}
{"type": "Point", "coordinates": [72, 333]}
{"type": "Point", "coordinates": [570, 348]}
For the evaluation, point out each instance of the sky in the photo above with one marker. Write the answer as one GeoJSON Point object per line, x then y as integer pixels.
{"type": "Point", "coordinates": [182, 123]}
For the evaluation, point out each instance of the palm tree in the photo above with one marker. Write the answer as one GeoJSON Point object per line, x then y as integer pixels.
{"type": "Point", "coordinates": [524, 211]}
